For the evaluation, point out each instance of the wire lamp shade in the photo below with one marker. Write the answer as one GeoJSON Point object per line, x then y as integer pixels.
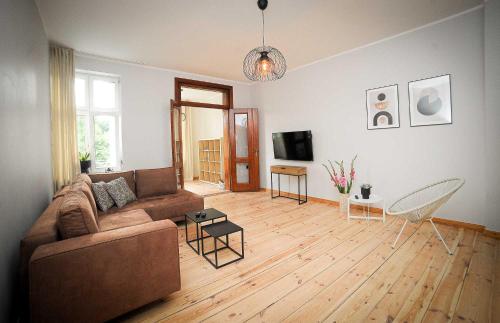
{"type": "Point", "coordinates": [264, 63]}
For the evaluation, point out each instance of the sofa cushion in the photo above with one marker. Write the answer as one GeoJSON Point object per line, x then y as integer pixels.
{"type": "Point", "coordinates": [170, 206]}
{"type": "Point", "coordinates": [119, 220]}
{"type": "Point", "coordinates": [43, 231]}
{"type": "Point", "coordinates": [108, 177]}
{"type": "Point", "coordinates": [83, 187]}
{"type": "Point", "coordinates": [102, 197]}
{"type": "Point", "coordinates": [75, 217]}
{"type": "Point", "coordinates": [154, 182]}
{"type": "Point", "coordinates": [84, 178]}
{"type": "Point", "coordinates": [120, 192]}
{"type": "Point", "coordinates": [62, 192]}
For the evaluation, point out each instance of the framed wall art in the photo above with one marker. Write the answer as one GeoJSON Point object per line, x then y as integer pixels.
{"type": "Point", "coordinates": [430, 101]}
{"type": "Point", "coordinates": [382, 107]}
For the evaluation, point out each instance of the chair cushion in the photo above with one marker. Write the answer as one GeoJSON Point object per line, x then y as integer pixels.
{"type": "Point", "coordinates": [119, 220]}
{"type": "Point", "coordinates": [102, 197]}
{"type": "Point", "coordinates": [108, 177]}
{"type": "Point", "coordinates": [75, 216]}
{"type": "Point", "coordinates": [120, 192]}
{"type": "Point", "coordinates": [154, 182]}
{"type": "Point", "coordinates": [170, 206]}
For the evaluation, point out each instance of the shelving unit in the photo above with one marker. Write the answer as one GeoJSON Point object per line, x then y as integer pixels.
{"type": "Point", "coordinates": [210, 155]}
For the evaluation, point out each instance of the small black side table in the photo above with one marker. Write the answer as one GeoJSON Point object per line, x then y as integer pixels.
{"type": "Point", "coordinates": [211, 215]}
{"type": "Point", "coordinates": [216, 231]}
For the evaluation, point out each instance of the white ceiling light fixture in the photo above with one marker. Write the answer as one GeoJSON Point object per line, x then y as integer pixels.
{"type": "Point", "coordinates": [264, 63]}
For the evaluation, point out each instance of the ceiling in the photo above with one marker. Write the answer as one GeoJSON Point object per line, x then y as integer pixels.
{"type": "Point", "coordinates": [212, 37]}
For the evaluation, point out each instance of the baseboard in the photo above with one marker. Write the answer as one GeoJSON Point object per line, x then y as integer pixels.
{"type": "Point", "coordinates": [459, 224]}
{"type": "Point", "coordinates": [492, 234]}
{"type": "Point", "coordinates": [375, 210]}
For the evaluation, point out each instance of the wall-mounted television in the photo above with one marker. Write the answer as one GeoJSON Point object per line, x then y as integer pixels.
{"type": "Point", "coordinates": [295, 145]}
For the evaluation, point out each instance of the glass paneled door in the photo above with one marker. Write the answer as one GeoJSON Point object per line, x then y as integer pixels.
{"type": "Point", "coordinates": [176, 129]}
{"type": "Point", "coordinates": [244, 142]}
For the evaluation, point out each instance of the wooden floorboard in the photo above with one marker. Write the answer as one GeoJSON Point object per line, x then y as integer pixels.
{"type": "Point", "coordinates": [202, 188]}
{"type": "Point", "coordinates": [307, 263]}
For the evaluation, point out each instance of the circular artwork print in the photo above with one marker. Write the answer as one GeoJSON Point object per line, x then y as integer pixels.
{"type": "Point", "coordinates": [429, 102]}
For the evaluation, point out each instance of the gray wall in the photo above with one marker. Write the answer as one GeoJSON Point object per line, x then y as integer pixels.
{"type": "Point", "coordinates": [328, 98]}
{"type": "Point", "coordinates": [25, 187]}
{"type": "Point", "coordinates": [492, 103]}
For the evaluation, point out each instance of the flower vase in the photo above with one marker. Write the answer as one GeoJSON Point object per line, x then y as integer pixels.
{"type": "Point", "coordinates": [343, 202]}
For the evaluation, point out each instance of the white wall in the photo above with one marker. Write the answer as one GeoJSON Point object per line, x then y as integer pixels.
{"type": "Point", "coordinates": [26, 181]}
{"type": "Point", "coordinates": [146, 94]}
{"type": "Point", "coordinates": [206, 124]}
{"type": "Point", "coordinates": [328, 98]}
{"type": "Point", "coordinates": [492, 103]}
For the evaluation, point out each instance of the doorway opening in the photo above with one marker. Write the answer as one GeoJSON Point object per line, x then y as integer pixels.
{"type": "Point", "coordinates": [214, 146]}
{"type": "Point", "coordinates": [202, 133]}
{"type": "Point", "coordinates": [203, 149]}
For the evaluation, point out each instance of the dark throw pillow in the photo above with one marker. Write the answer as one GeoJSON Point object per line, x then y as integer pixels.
{"type": "Point", "coordinates": [102, 197]}
{"type": "Point", "coordinates": [120, 192]}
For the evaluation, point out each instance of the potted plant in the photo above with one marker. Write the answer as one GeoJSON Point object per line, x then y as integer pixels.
{"type": "Point", "coordinates": [342, 181]}
{"type": "Point", "coordinates": [85, 162]}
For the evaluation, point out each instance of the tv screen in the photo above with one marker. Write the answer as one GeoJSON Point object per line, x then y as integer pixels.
{"type": "Point", "coordinates": [296, 145]}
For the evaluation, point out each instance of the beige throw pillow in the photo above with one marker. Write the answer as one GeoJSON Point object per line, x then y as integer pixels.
{"type": "Point", "coordinates": [120, 192]}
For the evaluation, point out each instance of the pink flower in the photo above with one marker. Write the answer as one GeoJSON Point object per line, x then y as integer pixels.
{"type": "Point", "coordinates": [343, 181]}
{"type": "Point", "coordinates": [353, 173]}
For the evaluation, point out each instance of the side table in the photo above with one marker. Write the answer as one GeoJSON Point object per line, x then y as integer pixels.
{"type": "Point", "coordinates": [193, 216]}
{"type": "Point", "coordinates": [374, 199]}
{"type": "Point", "coordinates": [216, 231]}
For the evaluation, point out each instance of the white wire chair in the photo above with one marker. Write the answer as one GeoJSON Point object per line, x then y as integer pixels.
{"type": "Point", "coordinates": [419, 205]}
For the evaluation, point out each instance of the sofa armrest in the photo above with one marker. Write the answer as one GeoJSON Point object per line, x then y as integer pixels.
{"type": "Point", "coordinates": [99, 276]}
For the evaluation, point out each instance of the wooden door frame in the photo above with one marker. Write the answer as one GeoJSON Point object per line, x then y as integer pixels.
{"type": "Point", "coordinates": [173, 105]}
{"type": "Point", "coordinates": [201, 85]}
{"type": "Point", "coordinates": [253, 154]}
{"type": "Point", "coordinates": [225, 106]}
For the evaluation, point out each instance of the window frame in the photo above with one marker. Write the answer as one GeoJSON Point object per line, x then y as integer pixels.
{"type": "Point", "coordinates": [91, 112]}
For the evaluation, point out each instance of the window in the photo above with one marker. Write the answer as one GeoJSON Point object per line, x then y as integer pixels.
{"type": "Point", "coordinates": [98, 119]}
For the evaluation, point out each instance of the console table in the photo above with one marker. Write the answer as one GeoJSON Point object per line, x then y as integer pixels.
{"type": "Point", "coordinates": [289, 171]}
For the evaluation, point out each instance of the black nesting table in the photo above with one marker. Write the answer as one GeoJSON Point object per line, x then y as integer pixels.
{"type": "Point", "coordinates": [217, 231]}
{"type": "Point", "coordinates": [210, 215]}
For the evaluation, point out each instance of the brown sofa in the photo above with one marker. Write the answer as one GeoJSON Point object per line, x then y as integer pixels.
{"type": "Point", "coordinates": [127, 258]}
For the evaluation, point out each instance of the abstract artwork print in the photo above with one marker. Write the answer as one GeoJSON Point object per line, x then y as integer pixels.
{"type": "Point", "coordinates": [382, 107]}
{"type": "Point", "coordinates": [430, 101]}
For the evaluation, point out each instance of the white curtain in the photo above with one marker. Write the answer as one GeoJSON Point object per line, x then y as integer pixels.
{"type": "Point", "coordinates": [65, 163]}
{"type": "Point", "coordinates": [187, 143]}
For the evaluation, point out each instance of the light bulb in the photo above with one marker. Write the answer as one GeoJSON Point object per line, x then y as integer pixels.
{"type": "Point", "coordinates": [264, 65]}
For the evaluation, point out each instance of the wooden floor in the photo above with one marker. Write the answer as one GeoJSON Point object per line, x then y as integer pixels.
{"type": "Point", "coordinates": [202, 188]}
{"type": "Point", "coordinates": [307, 263]}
